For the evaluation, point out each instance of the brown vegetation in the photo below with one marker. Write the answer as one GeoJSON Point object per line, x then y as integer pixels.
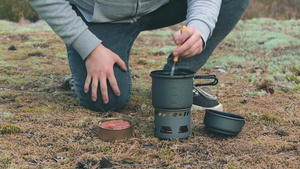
{"type": "Point", "coordinates": [17, 10]}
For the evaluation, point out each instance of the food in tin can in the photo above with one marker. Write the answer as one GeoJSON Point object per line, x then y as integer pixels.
{"type": "Point", "coordinates": [115, 124]}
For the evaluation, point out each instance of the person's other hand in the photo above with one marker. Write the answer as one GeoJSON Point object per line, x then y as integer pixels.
{"type": "Point", "coordinates": [190, 41]}
{"type": "Point", "coordinates": [99, 65]}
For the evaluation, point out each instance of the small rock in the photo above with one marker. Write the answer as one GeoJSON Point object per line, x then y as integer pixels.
{"type": "Point", "coordinates": [31, 132]}
{"type": "Point", "coordinates": [222, 85]}
{"type": "Point", "coordinates": [56, 160]}
{"type": "Point", "coordinates": [67, 79]}
{"type": "Point", "coordinates": [33, 161]}
{"type": "Point", "coordinates": [282, 133]}
{"type": "Point", "coordinates": [244, 101]}
{"type": "Point", "coordinates": [144, 107]}
{"type": "Point", "coordinates": [222, 70]}
{"type": "Point", "coordinates": [221, 94]}
{"type": "Point", "coordinates": [187, 166]}
{"type": "Point", "coordinates": [68, 84]}
{"type": "Point", "coordinates": [12, 47]}
{"type": "Point", "coordinates": [105, 162]}
{"type": "Point", "coordinates": [70, 140]}
{"type": "Point", "coordinates": [189, 156]}
{"type": "Point", "coordinates": [292, 158]}
{"type": "Point", "coordinates": [14, 122]}
{"type": "Point", "coordinates": [80, 165]}
{"type": "Point", "coordinates": [81, 142]}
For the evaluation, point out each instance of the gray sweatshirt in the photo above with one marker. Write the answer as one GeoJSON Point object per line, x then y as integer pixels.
{"type": "Point", "coordinates": [202, 14]}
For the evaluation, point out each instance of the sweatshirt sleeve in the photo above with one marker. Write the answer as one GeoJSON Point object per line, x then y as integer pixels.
{"type": "Point", "coordinates": [65, 23]}
{"type": "Point", "coordinates": [203, 15]}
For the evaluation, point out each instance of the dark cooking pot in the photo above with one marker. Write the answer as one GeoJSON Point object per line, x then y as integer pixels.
{"type": "Point", "coordinates": [175, 92]}
{"type": "Point", "coordinates": [223, 122]}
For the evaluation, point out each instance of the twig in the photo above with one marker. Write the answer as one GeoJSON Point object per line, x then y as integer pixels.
{"type": "Point", "coordinates": [131, 165]}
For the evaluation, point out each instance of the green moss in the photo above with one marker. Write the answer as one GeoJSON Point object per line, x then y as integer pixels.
{"type": "Point", "coordinates": [165, 50]}
{"type": "Point", "coordinates": [295, 68]}
{"type": "Point", "coordinates": [105, 148]}
{"type": "Point", "coordinates": [4, 160]}
{"type": "Point", "coordinates": [10, 119]}
{"type": "Point", "coordinates": [158, 33]}
{"type": "Point", "coordinates": [165, 152]}
{"type": "Point", "coordinates": [12, 80]}
{"type": "Point", "coordinates": [62, 55]}
{"type": "Point", "coordinates": [270, 118]}
{"type": "Point", "coordinates": [10, 129]}
{"type": "Point", "coordinates": [15, 28]}
{"type": "Point", "coordinates": [296, 88]}
{"type": "Point", "coordinates": [275, 42]}
{"type": "Point", "coordinates": [292, 78]}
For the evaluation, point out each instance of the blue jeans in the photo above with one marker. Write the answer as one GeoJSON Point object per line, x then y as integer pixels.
{"type": "Point", "coordinates": [120, 37]}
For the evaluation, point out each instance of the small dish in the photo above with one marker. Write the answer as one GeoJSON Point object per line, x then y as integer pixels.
{"type": "Point", "coordinates": [110, 134]}
{"type": "Point", "coordinates": [223, 122]}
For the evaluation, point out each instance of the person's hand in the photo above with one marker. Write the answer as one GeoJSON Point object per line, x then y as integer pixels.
{"type": "Point", "coordinates": [190, 41]}
{"type": "Point", "coordinates": [99, 66]}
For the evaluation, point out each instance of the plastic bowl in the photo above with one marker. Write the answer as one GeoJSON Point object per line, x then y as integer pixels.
{"type": "Point", "coordinates": [223, 122]}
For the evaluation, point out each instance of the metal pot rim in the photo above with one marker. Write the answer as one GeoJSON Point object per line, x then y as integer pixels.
{"type": "Point", "coordinates": [177, 74]}
{"type": "Point", "coordinates": [225, 115]}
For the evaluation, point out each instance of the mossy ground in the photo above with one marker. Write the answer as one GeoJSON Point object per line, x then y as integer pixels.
{"type": "Point", "coordinates": [261, 60]}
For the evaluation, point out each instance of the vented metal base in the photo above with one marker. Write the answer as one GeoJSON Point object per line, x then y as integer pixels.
{"type": "Point", "coordinates": [172, 123]}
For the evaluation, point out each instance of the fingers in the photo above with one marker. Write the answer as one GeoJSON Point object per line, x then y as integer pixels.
{"type": "Point", "coordinates": [114, 85]}
{"type": "Point", "coordinates": [100, 68]}
{"type": "Point", "coordinates": [103, 89]}
{"type": "Point", "coordinates": [112, 81]}
{"type": "Point", "coordinates": [190, 41]}
{"type": "Point", "coordinates": [176, 36]}
{"type": "Point", "coordinates": [87, 83]}
{"type": "Point", "coordinates": [190, 48]}
{"type": "Point", "coordinates": [102, 78]}
{"type": "Point", "coordinates": [94, 89]}
{"type": "Point", "coordinates": [121, 64]}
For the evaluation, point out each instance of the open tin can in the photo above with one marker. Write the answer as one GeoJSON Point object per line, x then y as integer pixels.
{"type": "Point", "coordinates": [108, 134]}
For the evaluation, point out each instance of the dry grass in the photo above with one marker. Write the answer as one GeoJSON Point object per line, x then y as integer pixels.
{"type": "Point", "coordinates": [59, 133]}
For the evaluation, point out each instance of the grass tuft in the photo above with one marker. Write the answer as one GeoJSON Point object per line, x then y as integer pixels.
{"type": "Point", "coordinates": [11, 129]}
{"type": "Point", "coordinates": [270, 118]}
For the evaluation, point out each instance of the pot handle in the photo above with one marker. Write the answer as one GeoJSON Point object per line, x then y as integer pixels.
{"type": "Point", "coordinates": [206, 77]}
